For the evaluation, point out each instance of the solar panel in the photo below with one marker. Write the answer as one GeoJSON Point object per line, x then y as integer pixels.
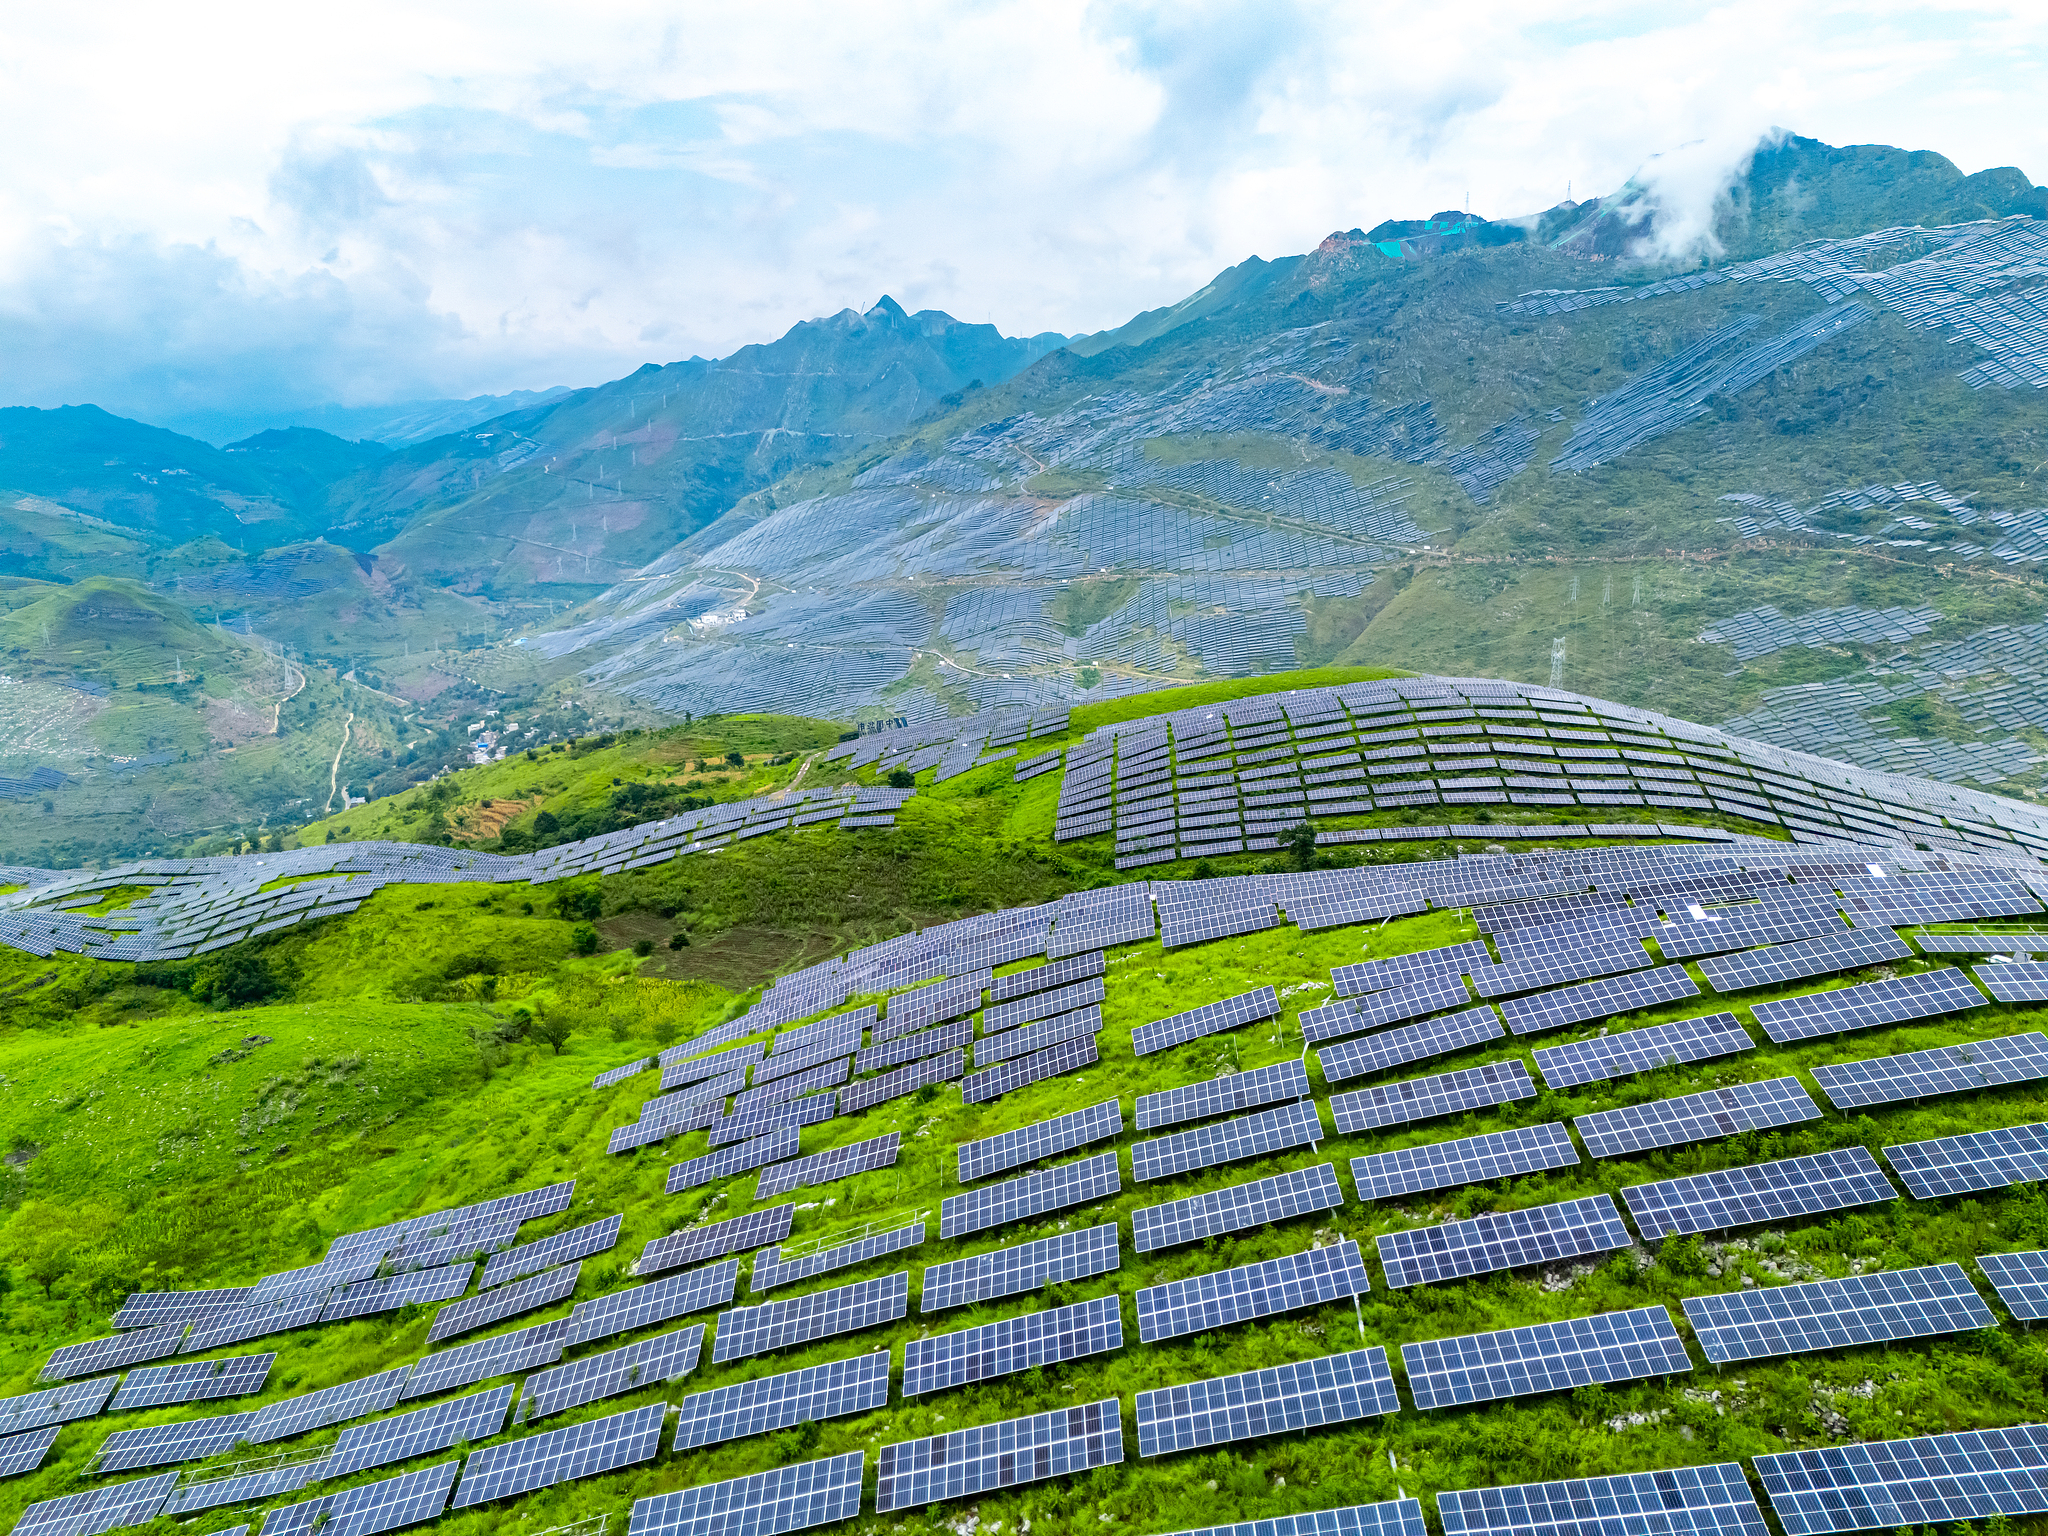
{"type": "Point", "coordinates": [1006, 1076]}
{"type": "Point", "coordinates": [1642, 1050]}
{"type": "Point", "coordinates": [1684, 1501]}
{"type": "Point", "coordinates": [1043, 1138]}
{"type": "Point", "coordinates": [24, 1452]}
{"type": "Point", "coordinates": [189, 1381]}
{"type": "Point", "coordinates": [760, 1119]}
{"type": "Point", "coordinates": [1943, 1069]}
{"type": "Point", "coordinates": [771, 1148]}
{"type": "Point", "coordinates": [419, 1288]}
{"type": "Point", "coordinates": [319, 1279]}
{"type": "Point", "coordinates": [418, 1433]}
{"type": "Point", "coordinates": [664, 1357]}
{"type": "Point", "coordinates": [106, 1507]}
{"type": "Point", "coordinates": [856, 1097]}
{"type": "Point", "coordinates": [506, 1354]}
{"type": "Point", "coordinates": [331, 1405]}
{"type": "Point", "coordinates": [831, 1164]}
{"type": "Point", "coordinates": [530, 1258]}
{"type": "Point", "coordinates": [1348, 1016]}
{"type": "Point", "coordinates": [1950, 1165]}
{"type": "Point", "coordinates": [560, 1455]}
{"type": "Point", "coordinates": [950, 999]}
{"type": "Point", "coordinates": [840, 1027]}
{"type": "Point", "coordinates": [1835, 1314]}
{"type": "Point", "coordinates": [681, 1071]}
{"type": "Point", "coordinates": [1414, 1042]}
{"type": "Point", "coordinates": [148, 1309]}
{"type": "Point", "coordinates": [1273, 1130]}
{"type": "Point", "coordinates": [1739, 1197]}
{"type": "Point", "coordinates": [117, 1350]}
{"type": "Point", "coordinates": [620, 1074]}
{"type": "Point", "coordinates": [792, 1498]}
{"type": "Point", "coordinates": [1224, 1095]}
{"type": "Point", "coordinates": [1006, 1271]}
{"type": "Point", "coordinates": [811, 1395]}
{"type": "Point", "coordinates": [1396, 1517]}
{"type": "Point", "coordinates": [1036, 1037]}
{"type": "Point", "coordinates": [771, 1269]}
{"type": "Point", "coordinates": [1303, 1394]}
{"type": "Point", "coordinates": [1598, 999]}
{"type": "Point", "coordinates": [812, 1079]}
{"type": "Point", "coordinates": [1209, 1019]}
{"type": "Point", "coordinates": [1844, 951]}
{"type": "Point", "coordinates": [928, 1042]}
{"type": "Point", "coordinates": [657, 1301]}
{"type": "Point", "coordinates": [521, 1205]}
{"type": "Point", "coordinates": [1424, 1098]}
{"type": "Point", "coordinates": [1696, 1117]}
{"type": "Point", "coordinates": [1605, 928]}
{"type": "Point", "coordinates": [1049, 1189]}
{"type": "Point", "coordinates": [748, 1331]}
{"type": "Point", "coordinates": [188, 1440]}
{"type": "Point", "coordinates": [55, 1405]}
{"type": "Point", "coordinates": [1898, 1483]}
{"type": "Point", "coordinates": [1236, 1207]}
{"type": "Point", "coordinates": [1450, 960]}
{"type": "Point", "coordinates": [1868, 1005]}
{"type": "Point", "coordinates": [1002, 1455]}
{"type": "Point", "coordinates": [1497, 1240]}
{"type": "Point", "coordinates": [1263, 1289]}
{"type": "Point", "coordinates": [1547, 1357]}
{"type": "Point", "coordinates": [2015, 981]}
{"type": "Point", "coordinates": [508, 1301]}
{"type": "Point", "coordinates": [1573, 962]}
{"type": "Point", "coordinates": [1180, 926]}
{"type": "Point", "coordinates": [1015, 1344]}
{"type": "Point", "coordinates": [1041, 978]}
{"type": "Point", "coordinates": [2021, 1280]}
{"type": "Point", "coordinates": [749, 1229]}
{"type": "Point", "coordinates": [1978, 941]}
{"type": "Point", "coordinates": [1468, 1160]}
{"type": "Point", "coordinates": [1042, 1005]}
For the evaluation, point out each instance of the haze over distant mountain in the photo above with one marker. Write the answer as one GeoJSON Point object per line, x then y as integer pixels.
{"type": "Point", "coordinates": [393, 424]}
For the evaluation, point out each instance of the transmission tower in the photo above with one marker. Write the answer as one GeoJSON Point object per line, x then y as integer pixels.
{"type": "Point", "coordinates": [1557, 662]}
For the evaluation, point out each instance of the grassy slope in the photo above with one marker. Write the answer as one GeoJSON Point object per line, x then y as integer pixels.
{"type": "Point", "coordinates": [170, 1149]}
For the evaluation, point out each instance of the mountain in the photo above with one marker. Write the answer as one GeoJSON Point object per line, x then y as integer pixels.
{"type": "Point", "coordinates": [394, 424]}
{"type": "Point", "coordinates": [1787, 486]}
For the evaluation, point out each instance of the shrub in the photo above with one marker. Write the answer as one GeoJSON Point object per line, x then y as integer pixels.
{"type": "Point", "coordinates": [583, 939]}
{"type": "Point", "coordinates": [643, 947]}
{"type": "Point", "coordinates": [553, 1028]}
{"type": "Point", "coordinates": [901, 778]}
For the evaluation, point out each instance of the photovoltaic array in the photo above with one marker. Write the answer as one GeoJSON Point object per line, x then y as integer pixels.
{"type": "Point", "coordinates": [1868, 1005]}
{"type": "Point", "coordinates": [1425, 1098]}
{"type": "Point", "coordinates": [531, 1258]}
{"type": "Point", "coordinates": [1042, 978]}
{"type": "Point", "coordinates": [1007, 1076]}
{"type": "Point", "coordinates": [1930, 1073]}
{"type": "Point", "coordinates": [749, 1229]}
{"type": "Point", "coordinates": [188, 1381]}
{"type": "Point", "coordinates": [474, 1312]}
{"type": "Point", "coordinates": [386, 1505]}
{"type": "Point", "coordinates": [1001, 1455]}
{"type": "Point", "coordinates": [2021, 981]}
{"type": "Point", "coordinates": [1014, 1344]}
{"type": "Point", "coordinates": [1740, 1197]}
{"type": "Point", "coordinates": [1272, 1286]}
{"type": "Point", "coordinates": [833, 1163]}
{"type": "Point", "coordinates": [1301, 1395]}
{"type": "Point", "coordinates": [1050, 1189]}
{"type": "Point", "coordinates": [771, 1269]}
{"type": "Point", "coordinates": [773, 1147]}
{"type": "Point", "coordinates": [792, 1498]}
{"type": "Point", "coordinates": [1598, 999]}
{"type": "Point", "coordinates": [1835, 1314]}
{"type": "Point", "coordinates": [418, 1433]}
{"type": "Point", "coordinates": [560, 1455]}
{"type": "Point", "coordinates": [1037, 1037]}
{"type": "Point", "coordinates": [1642, 1050]}
{"type": "Point", "coordinates": [748, 1331]}
{"type": "Point", "coordinates": [2021, 1280]}
{"type": "Point", "coordinates": [641, 1363]}
{"type": "Point", "coordinates": [811, 1395]}
{"type": "Point", "coordinates": [1898, 1483]}
{"type": "Point", "coordinates": [1225, 1095]}
{"type": "Point", "coordinates": [655, 1301]}
{"type": "Point", "coordinates": [1442, 1164]}
{"type": "Point", "coordinates": [1954, 1165]}
{"type": "Point", "coordinates": [1396, 1517]}
{"type": "Point", "coordinates": [1696, 1117]}
{"type": "Point", "coordinates": [1044, 1138]}
{"type": "Point", "coordinates": [1682, 1501]}
{"type": "Point", "coordinates": [1273, 1130]}
{"type": "Point", "coordinates": [1060, 1258]}
{"type": "Point", "coordinates": [503, 1354]}
{"type": "Point", "coordinates": [1209, 1019]}
{"type": "Point", "coordinates": [1497, 1240]}
{"type": "Point", "coordinates": [1236, 1208]}
{"type": "Point", "coordinates": [1546, 1357]}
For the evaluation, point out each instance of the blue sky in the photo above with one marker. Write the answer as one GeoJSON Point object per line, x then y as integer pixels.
{"type": "Point", "coordinates": [224, 209]}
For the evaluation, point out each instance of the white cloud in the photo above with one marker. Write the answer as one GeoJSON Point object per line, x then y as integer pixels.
{"type": "Point", "coordinates": [240, 204]}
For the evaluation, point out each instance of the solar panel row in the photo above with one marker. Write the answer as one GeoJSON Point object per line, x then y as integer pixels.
{"type": "Point", "coordinates": [1041, 1139]}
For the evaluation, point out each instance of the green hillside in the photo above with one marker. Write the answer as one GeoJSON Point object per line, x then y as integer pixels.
{"type": "Point", "coordinates": [203, 1123]}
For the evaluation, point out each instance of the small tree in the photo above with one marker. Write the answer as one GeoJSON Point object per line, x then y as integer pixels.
{"type": "Point", "coordinates": [643, 947]}
{"type": "Point", "coordinates": [901, 778]}
{"type": "Point", "coordinates": [737, 759]}
{"type": "Point", "coordinates": [583, 939]}
{"type": "Point", "coordinates": [551, 1029]}
{"type": "Point", "coordinates": [1301, 842]}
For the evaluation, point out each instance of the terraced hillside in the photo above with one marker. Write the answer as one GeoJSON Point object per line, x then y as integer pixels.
{"type": "Point", "coordinates": [1795, 487]}
{"type": "Point", "coordinates": [1333, 1191]}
